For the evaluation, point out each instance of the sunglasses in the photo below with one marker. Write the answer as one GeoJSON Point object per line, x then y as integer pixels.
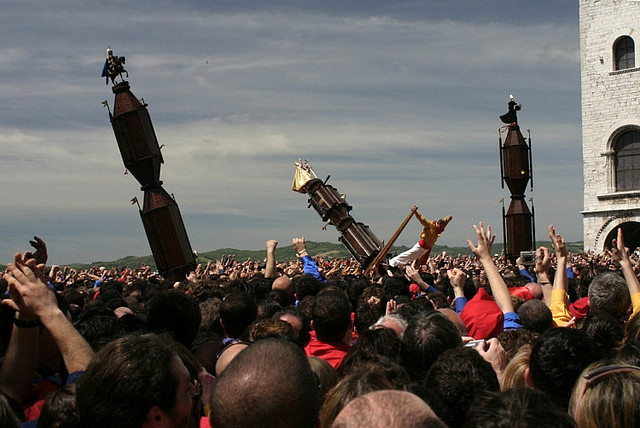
{"type": "Point", "coordinates": [592, 375]}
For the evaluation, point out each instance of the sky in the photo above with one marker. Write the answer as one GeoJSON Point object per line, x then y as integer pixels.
{"type": "Point", "coordinates": [399, 102]}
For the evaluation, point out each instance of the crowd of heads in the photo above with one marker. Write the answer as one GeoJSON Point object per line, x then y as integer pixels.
{"type": "Point", "coordinates": [237, 344]}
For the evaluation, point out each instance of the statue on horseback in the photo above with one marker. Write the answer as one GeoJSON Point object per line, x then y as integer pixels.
{"type": "Point", "coordinates": [113, 67]}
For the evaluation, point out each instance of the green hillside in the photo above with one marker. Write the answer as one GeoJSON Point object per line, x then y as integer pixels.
{"type": "Point", "coordinates": [287, 253]}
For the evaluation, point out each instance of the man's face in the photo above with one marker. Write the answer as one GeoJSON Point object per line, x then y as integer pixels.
{"type": "Point", "coordinates": [180, 415]}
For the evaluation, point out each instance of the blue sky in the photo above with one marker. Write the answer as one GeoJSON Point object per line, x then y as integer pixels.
{"type": "Point", "coordinates": [397, 101]}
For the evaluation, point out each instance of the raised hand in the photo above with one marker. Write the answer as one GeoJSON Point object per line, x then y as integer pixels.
{"type": "Point", "coordinates": [40, 255]}
{"type": "Point", "coordinates": [543, 261]}
{"type": "Point", "coordinates": [30, 295]}
{"type": "Point", "coordinates": [619, 252]}
{"type": "Point", "coordinates": [485, 241]}
{"type": "Point", "coordinates": [558, 242]}
{"type": "Point", "coordinates": [300, 246]}
{"type": "Point", "coordinates": [271, 244]}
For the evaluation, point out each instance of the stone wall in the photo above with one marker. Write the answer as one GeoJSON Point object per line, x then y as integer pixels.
{"type": "Point", "coordinates": [610, 106]}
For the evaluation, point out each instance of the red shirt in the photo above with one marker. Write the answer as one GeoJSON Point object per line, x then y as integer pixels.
{"type": "Point", "coordinates": [331, 352]}
{"type": "Point", "coordinates": [482, 316]}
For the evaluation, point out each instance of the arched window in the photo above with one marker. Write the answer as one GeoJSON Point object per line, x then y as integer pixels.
{"type": "Point", "coordinates": [624, 52]}
{"type": "Point", "coordinates": [627, 158]}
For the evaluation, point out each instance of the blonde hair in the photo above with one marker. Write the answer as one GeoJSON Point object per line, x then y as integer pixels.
{"type": "Point", "coordinates": [513, 375]}
{"type": "Point", "coordinates": [609, 399]}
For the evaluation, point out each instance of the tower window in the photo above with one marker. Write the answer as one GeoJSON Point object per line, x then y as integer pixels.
{"type": "Point", "coordinates": [627, 158]}
{"type": "Point", "coordinates": [624, 51]}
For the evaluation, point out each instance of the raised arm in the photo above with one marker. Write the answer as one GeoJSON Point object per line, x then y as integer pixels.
{"type": "Point", "coordinates": [33, 299]}
{"type": "Point", "coordinates": [309, 265]}
{"type": "Point", "coordinates": [621, 254]}
{"type": "Point", "coordinates": [483, 252]}
{"type": "Point", "coordinates": [543, 261]}
{"type": "Point", "coordinates": [560, 247]}
{"type": "Point", "coordinates": [413, 275]}
{"type": "Point", "coordinates": [270, 268]}
{"type": "Point", "coordinates": [457, 279]}
{"type": "Point", "coordinates": [559, 304]}
{"type": "Point", "coordinates": [19, 365]}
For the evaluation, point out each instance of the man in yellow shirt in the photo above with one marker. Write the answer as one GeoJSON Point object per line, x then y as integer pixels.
{"type": "Point", "coordinates": [432, 229]}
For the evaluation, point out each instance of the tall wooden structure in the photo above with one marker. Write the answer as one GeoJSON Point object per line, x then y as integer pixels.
{"type": "Point", "coordinates": [141, 155]}
{"type": "Point", "coordinates": [516, 171]}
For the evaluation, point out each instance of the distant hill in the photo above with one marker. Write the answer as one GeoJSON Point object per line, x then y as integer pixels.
{"type": "Point", "coordinates": [287, 253]}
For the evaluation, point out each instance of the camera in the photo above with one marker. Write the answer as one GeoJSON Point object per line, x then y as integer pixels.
{"type": "Point", "coordinates": [528, 258]}
{"type": "Point", "coordinates": [474, 343]}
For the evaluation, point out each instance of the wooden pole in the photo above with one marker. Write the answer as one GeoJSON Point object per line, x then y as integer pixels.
{"type": "Point", "coordinates": [388, 245]}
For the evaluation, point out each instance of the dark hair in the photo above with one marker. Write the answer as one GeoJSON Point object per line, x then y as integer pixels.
{"type": "Point", "coordinates": [427, 336]}
{"type": "Point", "coordinates": [374, 347]}
{"type": "Point", "coordinates": [518, 407]}
{"type": "Point", "coordinates": [331, 315]}
{"type": "Point", "coordinates": [395, 286]}
{"type": "Point", "coordinates": [268, 327]}
{"type": "Point", "coordinates": [98, 328]}
{"type": "Point", "coordinates": [366, 315]}
{"type": "Point", "coordinates": [606, 331]}
{"type": "Point", "coordinates": [457, 378]}
{"type": "Point", "coordinates": [266, 308]}
{"type": "Point", "coordinates": [125, 380]}
{"type": "Point", "coordinates": [176, 313]}
{"type": "Point", "coordinates": [237, 311]}
{"type": "Point", "coordinates": [438, 299]}
{"type": "Point", "coordinates": [416, 306]}
{"type": "Point", "coordinates": [629, 353]}
{"type": "Point", "coordinates": [284, 298]}
{"type": "Point", "coordinates": [361, 288]}
{"type": "Point", "coordinates": [306, 285]}
{"type": "Point", "coordinates": [59, 409]}
{"type": "Point", "coordinates": [558, 358]}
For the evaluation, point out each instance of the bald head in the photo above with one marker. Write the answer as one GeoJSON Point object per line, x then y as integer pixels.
{"type": "Point", "coordinates": [455, 319]}
{"type": "Point", "coordinates": [282, 283]}
{"type": "Point", "coordinates": [269, 384]}
{"type": "Point", "coordinates": [387, 409]}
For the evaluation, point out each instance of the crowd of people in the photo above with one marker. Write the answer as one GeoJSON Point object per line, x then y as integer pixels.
{"type": "Point", "coordinates": [461, 341]}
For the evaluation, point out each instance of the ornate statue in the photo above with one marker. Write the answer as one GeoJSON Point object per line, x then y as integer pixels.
{"type": "Point", "coordinates": [304, 173]}
{"type": "Point", "coordinates": [113, 67]}
{"type": "Point", "coordinates": [511, 116]}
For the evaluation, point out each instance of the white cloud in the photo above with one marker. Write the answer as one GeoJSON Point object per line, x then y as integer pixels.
{"type": "Point", "coordinates": [399, 108]}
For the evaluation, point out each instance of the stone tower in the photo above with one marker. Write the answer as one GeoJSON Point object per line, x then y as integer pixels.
{"type": "Point", "coordinates": [610, 77]}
